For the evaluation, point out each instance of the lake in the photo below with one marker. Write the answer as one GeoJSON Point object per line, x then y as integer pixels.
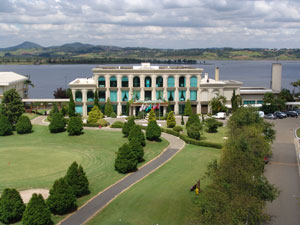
{"type": "Point", "coordinates": [47, 78]}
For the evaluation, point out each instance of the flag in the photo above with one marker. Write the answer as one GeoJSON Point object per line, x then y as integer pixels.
{"type": "Point", "coordinates": [141, 108]}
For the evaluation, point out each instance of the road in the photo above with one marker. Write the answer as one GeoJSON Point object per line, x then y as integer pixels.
{"type": "Point", "coordinates": [283, 172]}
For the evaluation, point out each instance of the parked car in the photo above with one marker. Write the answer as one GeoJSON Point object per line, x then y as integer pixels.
{"type": "Point", "coordinates": [292, 114]}
{"type": "Point", "coordinates": [261, 114]}
{"type": "Point", "coordinates": [220, 115]}
{"type": "Point", "coordinates": [298, 111]}
{"type": "Point", "coordinates": [270, 116]}
{"type": "Point", "coordinates": [280, 115]}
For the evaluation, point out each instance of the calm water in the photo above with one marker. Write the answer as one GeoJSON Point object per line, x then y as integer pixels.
{"type": "Point", "coordinates": [47, 78]}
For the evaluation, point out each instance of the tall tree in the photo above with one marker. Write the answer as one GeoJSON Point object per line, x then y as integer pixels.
{"type": "Point", "coordinates": [188, 108]}
{"type": "Point", "coordinates": [108, 110]}
{"type": "Point", "coordinates": [71, 108]}
{"type": "Point", "coordinates": [12, 106]}
{"type": "Point", "coordinates": [27, 83]}
{"type": "Point", "coordinates": [236, 101]}
{"type": "Point", "coordinates": [218, 104]}
{"type": "Point", "coordinates": [126, 160]}
{"type": "Point", "coordinates": [60, 93]}
{"type": "Point", "coordinates": [96, 99]}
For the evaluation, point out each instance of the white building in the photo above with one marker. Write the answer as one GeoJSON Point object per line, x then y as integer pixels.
{"type": "Point", "coordinates": [10, 80]}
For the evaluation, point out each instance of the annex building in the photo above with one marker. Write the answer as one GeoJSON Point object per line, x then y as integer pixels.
{"type": "Point", "coordinates": [154, 86]}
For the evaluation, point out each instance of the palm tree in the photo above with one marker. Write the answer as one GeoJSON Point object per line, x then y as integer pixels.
{"type": "Point", "coordinates": [27, 83]}
{"type": "Point", "coordinates": [295, 84]}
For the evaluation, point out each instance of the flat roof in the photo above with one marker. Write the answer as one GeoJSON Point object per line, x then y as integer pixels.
{"type": "Point", "coordinates": [45, 100]}
{"type": "Point", "coordinates": [8, 78]}
{"type": "Point", "coordinates": [147, 66]}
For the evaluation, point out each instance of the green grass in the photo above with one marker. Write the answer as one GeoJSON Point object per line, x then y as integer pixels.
{"type": "Point", "coordinates": [163, 197]}
{"type": "Point", "coordinates": [35, 160]}
{"type": "Point", "coordinates": [298, 132]}
{"type": "Point", "coordinates": [31, 116]}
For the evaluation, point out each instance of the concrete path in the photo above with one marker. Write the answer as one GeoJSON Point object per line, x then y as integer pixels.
{"type": "Point", "coordinates": [40, 120]}
{"type": "Point", "coordinates": [283, 172]}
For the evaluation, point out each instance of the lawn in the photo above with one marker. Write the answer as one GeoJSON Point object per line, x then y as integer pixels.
{"type": "Point", "coordinates": [35, 160]}
{"type": "Point", "coordinates": [163, 197]}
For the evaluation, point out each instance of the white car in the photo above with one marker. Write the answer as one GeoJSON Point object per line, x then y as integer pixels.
{"type": "Point", "coordinates": [220, 115]}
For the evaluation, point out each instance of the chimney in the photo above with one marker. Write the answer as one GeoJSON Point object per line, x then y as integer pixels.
{"type": "Point", "coordinates": [217, 77]}
{"type": "Point", "coordinates": [276, 77]}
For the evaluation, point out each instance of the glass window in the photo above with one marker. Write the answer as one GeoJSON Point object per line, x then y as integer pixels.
{"type": "Point", "coordinates": [136, 82]}
{"type": "Point", "coordinates": [113, 96]}
{"type": "Point", "coordinates": [170, 96]}
{"type": "Point", "coordinates": [78, 96]}
{"type": "Point", "coordinates": [148, 82]}
{"type": "Point", "coordinates": [181, 109]}
{"type": "Point", "coordinates": [136, 95]}
{"type": "Point", "coordinates": [102, 97]}
{"type": "Point", "coordinates": [101, 82]}
{"type": "Point", "coordinates": [78, 109]}
{"type": "Point", "coordinates": [193, 81]}
{"type": "Point", "coordinates": [125, 96]}
{"type": "Point", "coordinates": [113, 81]}
{"type": "Point", "coordinates": [125, 81]}
{"type": "Point", "coordinates": [260, 101]}
{"type": "Point", "coordinates": [159, 81]}
{"type": "Point", "coordinates": [159, 95]}
{"type": "Point", "coordinates": [171, 82]}
{"type": "Point", "coordinates": [148, 95]}
{"type": "Point", "coordinates": [181, 81]}
{"type": "Point", "coordinates": [90, 96]}
{"type": "Point", "coordinates": [249, 102]}
{"type": "Point", "coordinates": [193, 96]}
{"type": "Point", "coordinates": [181, 95]}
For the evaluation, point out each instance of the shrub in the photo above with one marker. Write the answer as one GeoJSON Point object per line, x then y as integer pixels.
{"type": "Point", "coordinates": [188, 140]}
{"type": "Point", "coordinates": [151, 115]}
{"type": "Point", "coordinates": [193, 131]}
{"type": "Point", "coordinates": [127, 126]}
{"type": "Point", "coordinates": [117, 124]}
{"type": "Point", "coordinates": [54, 110]}
{"type": "Point", "coordinates": [103, 123]}
{"type": "Point", "coordinates": [141, 115]}
{"type": "Point", "coordinates": [11, 206]}
{"type": "Point", "coordinates": [136, 132]}
{"type": "Point", "coordinates": [57, 123]}
{"type": "Point", "coordinates": [153, 131]}
{"type": "Point", "coordinates": [113, 115]}
{"type": "Point", "coordinates": [219, 123]}
{"type": "Point", "coordinates": [77, 180]}
{"type": "Point", "coordinates": [171, 122]}
{"type": "Point", "coordinates": [61, 199]}
{"type": "Point", "coordinates": [193, 118]}
{"type": "Point", "coordinates": [95, 115]}
{"type": "Point", "coordinates": [137, 149]}
{"type": "Point", "coordinates": [23, 125]}
{"type": "Point", "coordinates": [108, 109]}
{"type": "Point", "coordinates": [170, 131]}
{"type": "Point", "coordinates": [211, 125]}
{"type": "Point", "coordinates": [37, 212]}
{"type": "Point", "coordinates": [5, 126]}
{"type": "Point", "coordinates": [126, 160]}
{"type": "Point", "coordinates": [75, 126]}
{"type": "Point", "coordinates": [91, 124]}
{"type": "Point", "coordinates": [188, 108]}
{"type": "Point", "coordinates": [178, 128]}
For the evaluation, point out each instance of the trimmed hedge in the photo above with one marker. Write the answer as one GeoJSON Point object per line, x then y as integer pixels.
{"type": "Point", "coordinates": [91, 124]}
{"type": "Point", "coordinates": [170, 131]}
{"type": "Point", "coordinates": [178, 128]}
{"type": "Point", "coordinates": [117, 124]}
{"type": "Point", "coordinates": [192, 141]}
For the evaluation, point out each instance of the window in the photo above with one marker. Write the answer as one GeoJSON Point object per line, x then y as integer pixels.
{"type": "Point", "coordinates": [1, 90]}
{"type": "Point", "coordinates": [148, 82]}
{"type": "Point", "coordinates": [193, 81]}
{"type": "Point", "coordinates": [181, 109]}
{"type": "Point", "coordinates": [102, 97]}
{"type": "Point", "coordinates": [181, 95]}
{"type": "Point", "coordinates": [193, 96]}
{"type": "Point", "coordinates": [113, 96]}
{"type": "Point", "coordinates": [260, 101]}
{"type": "Point", "coordinates": [181, 81]}
{"type": "Point", "coordinates": [171, 96]}
{"type": "Point", "coordinates": [78, 96]}
{"type": "Point", "coordinates": [125, 81]}
{"type": "Point", "coordinates": [78, 109]}
{"type": "Point", "coordinates": [113, 81]}
{"type": "Point", "coordinates": [136, 82]}
{"type": "Point", "coordinates": [90, 96]}
{"type": "Point", "coordinates": [136, 95]}
{"type": "Point", "coordinates": [101, 82]}
{"type": "Point", "coordinates": [249, 102]}
{"type": "Point", "coordinates": [148, 95]}
{"type": "Point", "coordinates": [159, 95]}
{"type": "Point", "coordinates": [171, 82]}
{"type": "Point", "coordinates": [125, 96]}
{"type": "Point", "coordinates": [159, 81]}
{"type": "Point", "coordinates": [89, 108]}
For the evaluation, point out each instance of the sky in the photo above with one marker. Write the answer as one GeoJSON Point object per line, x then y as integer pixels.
{"type": "Point", "coordinates": [175, 24]}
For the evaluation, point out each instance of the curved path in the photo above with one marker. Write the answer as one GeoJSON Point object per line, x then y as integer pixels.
{"type": "Point", "coordinates": [98, 202]}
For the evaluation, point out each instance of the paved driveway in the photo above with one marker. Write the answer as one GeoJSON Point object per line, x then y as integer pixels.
{"type": "Point", "coordinates": [283, 172]}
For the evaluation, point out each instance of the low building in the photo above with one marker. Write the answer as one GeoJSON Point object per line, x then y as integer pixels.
{"type": "Point", "coordinates": [10, 80]}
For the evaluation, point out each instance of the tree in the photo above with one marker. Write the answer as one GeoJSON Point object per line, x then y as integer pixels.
{"type": "Point", "coordinates": [218, 104]}
{"type": "Point", "coordinates": [96, 100]}
{"type": "Point", "coordinates": [188, 108]}
{"type": "Point", "coordinates": [137, 149]}
{"type": "Point", "coordinates": [153, 131]}
{"type": "Point", "coordinates": [136, 132]}
{"type": "Point", "coordinates": [193, 131]}
{"type": "Point", "coordinates": [285, 95]}
{"type": "Point", "coordinates": [127, 109]}
{"type": "Point", "coordinates": [171, 122]}
{"type": "Point", "coordinates": [71, 109]}
{"type": "Point", "coordinates": [60, 93]}
{"type": "Point", "coordinates": [27, 83]}
{"type": "Point", "coordinates": [23, 125]}
{"type": "Point", "coordinates": [11, 206]}
{"type": "Point", "coordinates": [95, 115]}
{"type": "Point", "coordinates": [294, 84]}
{"type": "Point", "coordinates": [193, 119]}
{"type": "Point", "coordinates": [54, 109]}
{"type": "Point", "coordinates": [126, 160]}
{"type": "Point", "coordinates": [61, 200]}
{"type": "Point", "coordinates": [12, 106]}
{"type": "Point", "coordinates": [75, 126]}
{"type": "Point", "coordinates": [108, 110]}
{"type": "Point", "coordinates": [37, 212]}
{"type": "Point", "coordinates": [57, 123]}
{"type": "Point", "coordinates": [5, 126]}
{"type": "Point", "coordinates": [272, 103]}
{"type": "Point", "coordinates": [236, 101]}
{"type": "Point", "coordinates": [77, 180]}
{"type": "Point", "coordinates": [211, 125]}
{"type": "Point", "coordinates": [151, 115]}
{"type": "Point", "coordinates": [127, 126]}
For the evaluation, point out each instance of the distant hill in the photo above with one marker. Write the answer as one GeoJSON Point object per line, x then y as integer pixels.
{"type": "Point", "coordinates": [24, 45]}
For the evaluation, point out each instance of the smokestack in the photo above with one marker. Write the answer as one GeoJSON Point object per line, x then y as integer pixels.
{"type": "Point", "coordinates": [217, 77]}
{"type": "Point", "coordinates": [276, 77]}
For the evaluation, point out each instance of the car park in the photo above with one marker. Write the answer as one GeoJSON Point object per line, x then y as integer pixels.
{"type": "Point", "coordinates": [292, 114]}
{"type": "Point", "coordinates": [270, 116]}
{"type": "Point", "coordinates": [280, 115]}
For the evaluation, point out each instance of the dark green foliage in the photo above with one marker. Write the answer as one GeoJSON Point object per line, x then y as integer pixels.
{"type": "Point", "coordinates": [64, 110]}
{"type": "Point", "coordinates": [286, 95]}
{"type": "Point", "coordinates": [37, 212]}
{"type": "Point", "coordinates": [211, 125]}
{"type": "Point", "coordinates": [141, 115]}
{"type": "Point", "coordinates": [127, 126]}
{"type": "Point", "coordinates": [11, 206]}
{"type": "Point", "coordinates": [193, 131]}
{"type": "Point", "coordinates": [271, 103]}
{"type": "Point", "coordinates": [77, 180]}
{"type": "Point", "coordinates": [182, 120]}
{"type": "Point", "coordinates": [57, 123]}
{"type": "Point", "coordinates": [151, 115]}
{"type": "Point", "coordinates": [96, 99]}
{"type": "Point", "coordinates": [23, 125]}
{"type": "Point", "coordinates": [12, 106]}
{"type": "Point", "coordinates": [54, 109]}
{"type": "Point", "coordinates": [127, 109]}
{"type": "Point", "coordinates": [178, 128]}
{"type": "Point", "coordinates": [61, 200]}
{"type": "Point", "coordinates": [108, 108]}
{"type": "Point", "coordinates": [136, 132]}
{"type": "Point", "coordinates": [153, 131]}
{"type": "Point", "coordinates": [113, 115]}
{"type": "Point", "coordinates": [171, 122]}
{"type": "Point", "coordinates": [137, 149]}
{"type": "Point", "coordinates": [193, 119]}
{"type": "Point", "coordinates": [192, 141]}
{"type": "Point", "coordinates": [5, 126]}
{"type": "Point", "coordinates": [117, 124]}
{"type": "Point", "coordinates": [236, 101]}
{"type": "Point", "coordinates": [126, 160]}
{"type": "Point", "coordinates": [218, 104]}
{"type": "Point", "coordinates": [71, 108]}
{"type": "Point", "coordinates": [169, 109]}
{"type": "Point", "coordinates": [170, 131]}
{"type": "Point", "coordinates": [75, 126]}
{"type": "Point", "coordinates": [188, 108]}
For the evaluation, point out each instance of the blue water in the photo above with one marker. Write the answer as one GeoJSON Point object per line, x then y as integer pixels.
{"type": "Point", "coordinates": [47, 78]}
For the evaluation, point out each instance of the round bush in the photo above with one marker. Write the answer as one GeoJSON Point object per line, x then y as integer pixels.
{"type": "Point", "coordinates": [103, 123]}
{"type": "Point", "coordinates": [137, 149]}
{"type": "Point", "coordinates": [193, 131]}
{"type": "Point", "coordinates": [153, 131]}
{"type": "Point", "coordinates": [117, 124]}
{"type": "Point", "coordinates": [193, 119]}
{"type": "Point", "coordinates": [57, 123]}
{"type": "Point", "coordinates": [75, 126]}
{"type": "Point", "coordinates": [127, 126]}
{"type": "Point", "coordinates": [136, 132]}
{"type": "Point", "coordinates": [5, 126]}
{"type": "Point", "coordinates": [211, 125]}
{"type": "Point", "coordinates": [113, 115]}
{"type": "Point", "coordinates": [126, 160]}
{"type": "Point", "coordinates": [23, 125]}
{"type": "Point", "coordinates": [171, 122]}
{"type": "Point", "coordinates": [178, 128]}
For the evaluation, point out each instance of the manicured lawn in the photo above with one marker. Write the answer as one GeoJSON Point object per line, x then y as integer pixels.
{"type": "Point", "coordinates": [163, 197]}
{"type": "Point", "coordinates": [31, 115]}
{"type": "Point", "coordinates": [35, 160]}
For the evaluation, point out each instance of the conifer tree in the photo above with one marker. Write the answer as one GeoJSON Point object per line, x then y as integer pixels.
{"type": "Point", "coordinates": [127, 108]}
{"type": "Point", "coordinates": [5, 126]}
{"type": "Point", "coordinates": [153, 131]}
{"type": "Point", "coordinates": [23, 125]}
{"type": "Point", "coordinates": [108, 110]}
{"type": "Point", "coordinates": [151, 115]}
{"type": "Point", "coordinates": [75, 126]}
{"type": "Point", "coordinates": [188, 108]}
{"type": "Point", "coordinates": [136, 132]}
{"type": "Point", "coordinates": [57, 123]}
{"type": "Point", "coordinates": [96, 99]}
{"type": "Point", "coordinates": [54, 109]}
{"type": "Point", "coordinates": [95, 115]}
{"type": "Point", "coordinates": [171, 122]}
{"type": "Point", "coordinates": [126, 160]}
{"type": "Point", "coordinates": [37, 212]}
{"type": "Point", "coordinates": [127, 126]}
{"type": "Point", "coordinates": [137, 149]}
{"type": "Point", "coordinates": [71, 108]}
{"type": "Point", "coordinates": [12, 106]}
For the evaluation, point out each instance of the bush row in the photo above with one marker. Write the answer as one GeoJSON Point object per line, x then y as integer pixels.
{"type": "Point", "coordinates": [192, 141]}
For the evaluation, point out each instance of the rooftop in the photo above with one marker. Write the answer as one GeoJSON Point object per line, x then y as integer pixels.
{"type": "Point", "coordinates": [8, 78]}
{"type": "Point", "coordinates": [147, 66]}
{"type": "Point", "coordinates": [83, 81]}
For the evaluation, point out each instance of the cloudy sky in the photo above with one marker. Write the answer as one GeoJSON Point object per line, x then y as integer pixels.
{"type": "Point", "coordinates": [152, 23]}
